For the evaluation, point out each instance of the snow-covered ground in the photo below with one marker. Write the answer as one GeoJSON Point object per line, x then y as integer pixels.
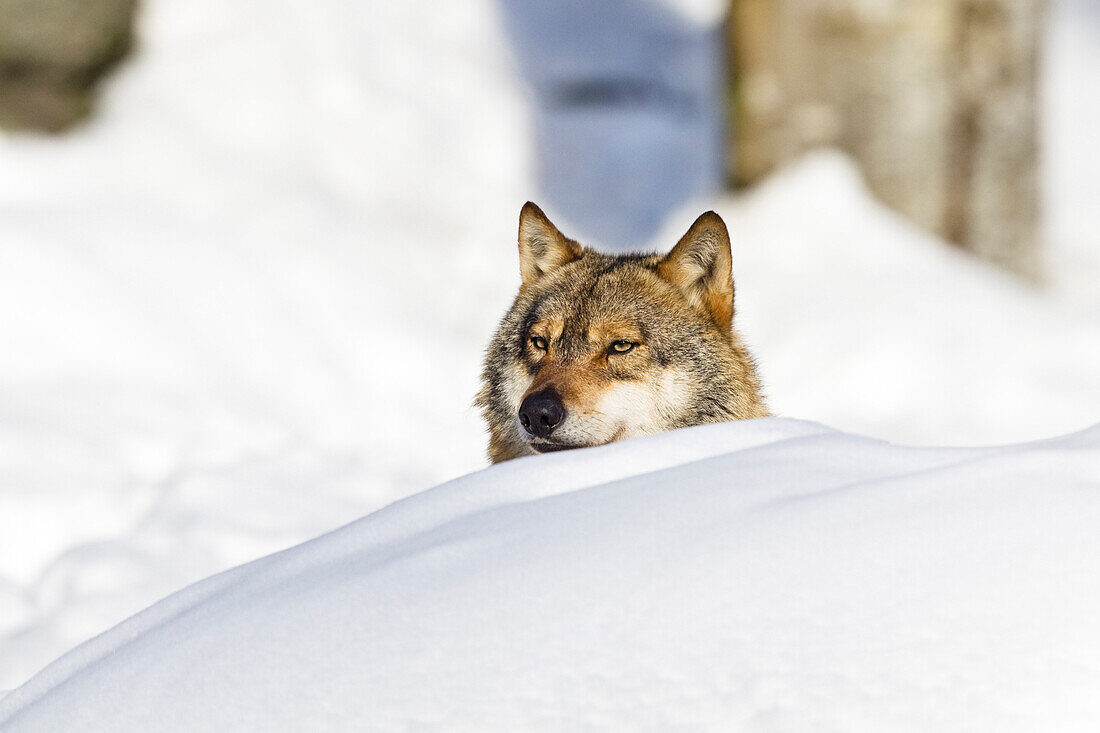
{"type": "Point", "coordinates": [1070, 155]}
{"type": "Point", "coordinates": [247, 304]}
{"type": "Point", "coordinates": [771, 575]}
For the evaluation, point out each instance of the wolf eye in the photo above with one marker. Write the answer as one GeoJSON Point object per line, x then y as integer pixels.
{"type": "Point", "coordinates": [539, 343]}
{"type": "Point", "coordinates": [620, 347]}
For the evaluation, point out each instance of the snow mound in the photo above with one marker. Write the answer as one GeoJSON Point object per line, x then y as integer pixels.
{"type": "Point", "coordinates": [862, 321]}
{"type": "Point", "coordinates": [228, 304]}
{"type": "Point", "coordinates": [765, 575]}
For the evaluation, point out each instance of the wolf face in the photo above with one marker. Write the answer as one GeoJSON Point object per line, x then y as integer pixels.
{"type": "Point", "coordinates": [597, 348]}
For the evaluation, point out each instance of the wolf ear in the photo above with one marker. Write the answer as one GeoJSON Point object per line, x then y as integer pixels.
{"type": "Point", "coordinates": [700, 265]}
{"type": "Point", "coordinates": [542, 247]}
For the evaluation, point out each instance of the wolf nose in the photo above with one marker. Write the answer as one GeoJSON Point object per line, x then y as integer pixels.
{"type": "Point", "coordinates": [541, 412]}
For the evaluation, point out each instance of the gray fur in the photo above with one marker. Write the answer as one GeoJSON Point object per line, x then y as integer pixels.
{"type": "Point", "coordinates": [596, 288]}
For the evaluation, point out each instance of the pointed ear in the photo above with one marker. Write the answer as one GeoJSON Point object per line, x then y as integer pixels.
{"type": "Point", "coordinates": [700, 266]}
{"type": "Point", "coordinates": [542, 247]}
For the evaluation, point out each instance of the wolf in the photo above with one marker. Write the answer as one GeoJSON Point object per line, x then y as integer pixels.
{"type": "Point", "coordinates": [598, 347]}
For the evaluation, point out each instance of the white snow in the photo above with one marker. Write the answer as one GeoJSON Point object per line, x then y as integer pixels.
{"type": "Point", "coordinates": [862, 322]}
{"type": "Point", "coordinates": [700, 12]}
{"type": "Point", "coordinates": [1070, 155]}
{"type": "Point", "coordinates": [242, 306]}
{"type": "Point", "coordinates": [768, 575]}
{"type": "Point", "coordinates": [246, 306]}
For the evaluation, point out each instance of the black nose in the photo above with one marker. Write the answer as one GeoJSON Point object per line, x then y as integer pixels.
{"type": "Point", "coordinates": [541, 412]}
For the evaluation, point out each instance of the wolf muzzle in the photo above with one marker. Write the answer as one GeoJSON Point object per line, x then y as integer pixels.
{"type": "Point", "coordinates": [541, 412]}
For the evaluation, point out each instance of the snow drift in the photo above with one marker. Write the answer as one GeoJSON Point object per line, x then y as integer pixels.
{"type": "Point", "coordinates": [200, 294]}
{"type": "Point", "coordinates": [203, 296]}
{"type": "Point", "coordinates": [765, 575]}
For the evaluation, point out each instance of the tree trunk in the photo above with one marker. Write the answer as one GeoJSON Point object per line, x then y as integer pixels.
{"type": "Point", "coordinates": [935, 99]}
{"type": "Point", "coordinates": [52, 53]}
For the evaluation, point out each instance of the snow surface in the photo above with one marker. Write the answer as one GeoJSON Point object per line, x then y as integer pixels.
{"type": "Point", "coordinates": [242, 307]}
{"type": "Point", "coordinates": [246, 305]}
{"type": "Point", "coordinates": [770, 575]}
{"type": "Point", "coordinates": [1070, 155]}
{"type": "Point", "coordinates": [700, 12]}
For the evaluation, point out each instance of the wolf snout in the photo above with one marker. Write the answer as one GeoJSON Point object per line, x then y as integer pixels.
{"type": "Point", "coordinates": [541, 412]}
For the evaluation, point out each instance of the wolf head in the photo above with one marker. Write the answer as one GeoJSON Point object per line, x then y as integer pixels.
{"type": "Point", "coordinates": [597, 348]}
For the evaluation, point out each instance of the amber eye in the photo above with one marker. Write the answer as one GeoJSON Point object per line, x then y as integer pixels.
{"type": "Point", "coordinates": [539, 343]}
{"type": "Point", "coordinates": [621, 347]}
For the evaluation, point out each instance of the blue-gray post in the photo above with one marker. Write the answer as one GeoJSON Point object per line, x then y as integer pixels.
{"type": "Point", "coordinates": [628, 111]}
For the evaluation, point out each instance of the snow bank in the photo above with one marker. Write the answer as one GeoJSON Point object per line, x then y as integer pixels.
{"type": "Point", "coordinates": [863, 322]}
{"type": "Point", "coordinates": [240, 308]}
{"type": "Point", "coordinates": [766, 575]}
{"type": "Point", "coordinates": [247, 304]}
{"type": "Point", "coordinates": [1071, 159]}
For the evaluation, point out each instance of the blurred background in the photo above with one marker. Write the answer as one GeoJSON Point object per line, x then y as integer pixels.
{"type": "Point", "coordinates": [250, 252]}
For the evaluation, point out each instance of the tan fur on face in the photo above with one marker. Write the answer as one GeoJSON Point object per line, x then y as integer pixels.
{"type": "Point", "coordinates": [638, 408]}
{"type": "Point", "coordinates": [686, 365]}
{"type": "Point", "coordinates": [600, 410]}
